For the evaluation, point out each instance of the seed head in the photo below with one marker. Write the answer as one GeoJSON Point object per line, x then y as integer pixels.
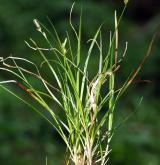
{"type": "Point", "coordinates": [125, 2]}
{"type": "Point", "coordinates": [36, 23]}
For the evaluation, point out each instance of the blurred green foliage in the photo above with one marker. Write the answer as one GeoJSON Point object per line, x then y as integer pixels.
{"type": "Point", "coordinates": [25, 138]}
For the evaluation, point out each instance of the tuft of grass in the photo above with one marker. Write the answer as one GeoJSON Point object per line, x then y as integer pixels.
{"type": "Point", "coordinates": [86, 132]}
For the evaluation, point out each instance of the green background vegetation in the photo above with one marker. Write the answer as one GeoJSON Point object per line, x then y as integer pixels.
{"type": "Point", "coordinates": [27, 139]}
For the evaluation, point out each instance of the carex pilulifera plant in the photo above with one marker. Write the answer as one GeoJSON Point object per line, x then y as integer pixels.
{"type": "Point", "coordinates": [85, 121]}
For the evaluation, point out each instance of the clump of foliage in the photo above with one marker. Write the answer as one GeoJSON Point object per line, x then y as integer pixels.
{"type": "Point", "coordinates": [85, 120]}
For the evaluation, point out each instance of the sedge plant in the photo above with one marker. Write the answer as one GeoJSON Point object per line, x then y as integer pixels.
{"type": "Point", "coordinates": [86, 125]}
